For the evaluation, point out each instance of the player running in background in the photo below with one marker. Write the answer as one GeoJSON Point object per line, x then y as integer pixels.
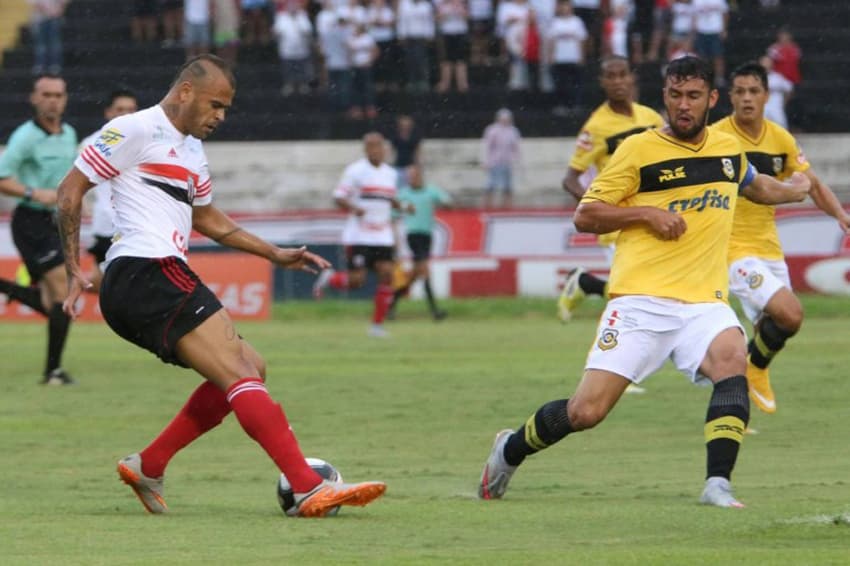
{"type": "Point", "coordinates": [422, 200]}
{"type": "Point", "coordinates": [672, 193]}
{"type": "Point", "coordinates": [613, 121]}
{"type": "Point", "coordinates": [367, 191]}
{"type": "Point", "coordinates": [38, 154]}
{"type": "Point", "coordinates": [758, 275]}
{"type": "Point", "coordinates": [120, 102]}
{"type": "Point", "coordinates": [150, 296]}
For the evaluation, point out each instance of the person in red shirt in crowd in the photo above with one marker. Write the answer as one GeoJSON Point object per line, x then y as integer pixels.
{"type": "Point", "coordinates": [786, 54]}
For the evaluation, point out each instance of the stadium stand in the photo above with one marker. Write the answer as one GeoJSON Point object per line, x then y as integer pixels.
{"type": "Point", "coordinates": [99, 56]}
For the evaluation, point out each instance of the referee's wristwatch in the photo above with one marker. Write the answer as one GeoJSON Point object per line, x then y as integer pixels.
{"type": "Point", "coordinates": [28, 192]}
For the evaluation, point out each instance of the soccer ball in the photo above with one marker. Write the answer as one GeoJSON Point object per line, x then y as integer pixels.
{"type": "Point", "coordinates": [284, 491]}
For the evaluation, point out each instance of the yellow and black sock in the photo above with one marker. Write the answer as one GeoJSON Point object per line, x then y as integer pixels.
{"type": "Point", "coordinates": [768, 339]}
{"type": "Point", "coordinates": [542, 429]}
{"type": "Point", "coordinates": [725, 423]}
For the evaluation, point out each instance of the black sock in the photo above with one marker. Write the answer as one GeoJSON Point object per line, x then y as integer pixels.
{"type": "Point", "coordinates": [432, 304]}
{"type": "Point", "coordinates": [399, 293]}
{"type": "Point", "coordinates": [592, 285]}
{"type": "Point", "coordinates": [29, 296]}
{"type": "Point", "coordinates": [58, 324]}
{"type": "Point", "coordinates": [725, 423]}
{"type": "Point", "coordinates": [768, 339]}
{"type": "Point", "coordinates": [543, 429]}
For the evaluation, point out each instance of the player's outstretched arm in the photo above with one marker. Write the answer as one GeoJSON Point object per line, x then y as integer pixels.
{"type": "Point", "coordinates": [69, 202]}
{"type": "Point", "coordinates": [826, 200]}
{"type": "Point", "coordinates": [767, 190]}
{"type": "Point", "coordinates": [602, 218]}
{"type": "Point", "coordinates": [216, 225]}
{"type": "Point", "coordinates": [572, 184]}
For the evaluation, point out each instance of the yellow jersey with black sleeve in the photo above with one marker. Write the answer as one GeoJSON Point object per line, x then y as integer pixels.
{"type": "Point", "coordinates": [603, 132]}
{"type": "Point", "coordinates": [701, 183]}
{"type": "Point", "coordinates": [775, 152]}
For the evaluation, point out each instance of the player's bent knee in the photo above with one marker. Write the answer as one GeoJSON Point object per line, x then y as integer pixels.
{"type": "Point", "coordinates": [585, 416]}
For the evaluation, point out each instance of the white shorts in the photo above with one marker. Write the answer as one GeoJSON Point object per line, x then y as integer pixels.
{"type": "Point", "coordinates": [637, 334]}
{"type": "Point", "coordinates": [754, 281]}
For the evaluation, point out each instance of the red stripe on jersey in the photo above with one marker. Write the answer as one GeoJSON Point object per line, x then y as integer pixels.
{"type": "Point", "coordinates": [204, 189]}
{"type": "Point", "coordinates": [170, 171]}
{"type": "Point", "coordinates": [99, 158]}
{"type": "Point", "coordinates": [175, 276]}
{"type": "Point", "coordinates": [384, 191]}
{"type": "Point", "coordinates": [97, 168]}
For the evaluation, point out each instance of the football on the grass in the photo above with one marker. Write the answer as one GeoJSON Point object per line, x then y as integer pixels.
{"type": "Point", "coordinates": [284, 491]}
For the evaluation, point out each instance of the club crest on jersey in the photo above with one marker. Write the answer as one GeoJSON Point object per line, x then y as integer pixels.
{"type": "Point", "coordinates": [754, 280]}
{"type": "Point", "coordinates": [778, 165]}
{"type": "Point", "coordinates": [608, 339]}
{"type": "Point", "coordinates": [728, 167]}
{"type": "Point", "coordinates": [585, 141]}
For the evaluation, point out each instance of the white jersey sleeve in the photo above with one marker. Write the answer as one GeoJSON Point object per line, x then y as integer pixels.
{"type": "Point", "coordinates": [115, 149]}
{"type": "Point", "coordinates": [347, 187]}
{"type": "Point", "coordinates": [203, 192]}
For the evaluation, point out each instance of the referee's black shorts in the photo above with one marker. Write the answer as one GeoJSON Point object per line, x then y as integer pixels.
{"type": "Point", "coordinates": [36, 236]}
{"type": "Point", "coordinates": [153, 302]}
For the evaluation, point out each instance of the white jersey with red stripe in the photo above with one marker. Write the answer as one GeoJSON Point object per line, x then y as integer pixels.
{"type": "Point", "coordinates": [102, 215]}
{"type": "Point", "coordinates": [372, 189]}
{"type": "Point", "coordinates": [157, 175]}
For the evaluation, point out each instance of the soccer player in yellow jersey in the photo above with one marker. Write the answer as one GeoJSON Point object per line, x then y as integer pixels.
{"type": "Point", "coordinates": [672, 193]}
{"type": "Point", "coordinates": [758, 275]}
{"type": "Point", "coordinates": [616, 119]}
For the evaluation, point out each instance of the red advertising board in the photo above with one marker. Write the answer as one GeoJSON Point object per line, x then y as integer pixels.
{"type": "Point", "coordinates": [243, 283]}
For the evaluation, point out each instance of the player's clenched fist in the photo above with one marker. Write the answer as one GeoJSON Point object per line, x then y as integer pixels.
{"type": "Point", "coordinates": [666, 225]}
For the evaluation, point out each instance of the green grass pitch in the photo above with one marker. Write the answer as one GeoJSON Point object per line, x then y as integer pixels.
{"type": "Point", "coordinates": [419, 411]}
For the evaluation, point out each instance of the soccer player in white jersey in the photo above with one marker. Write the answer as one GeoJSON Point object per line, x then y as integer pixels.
{"type": "Point", "coordinates": [120, 102]}
{"type": "Point", "coordinates": [161, 190]}
{"type": "Point", "coordinates": [367, 191]}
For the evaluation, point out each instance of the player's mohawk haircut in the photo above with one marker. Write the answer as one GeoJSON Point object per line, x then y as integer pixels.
{"type": "Point", "coordinates": [196, 69]}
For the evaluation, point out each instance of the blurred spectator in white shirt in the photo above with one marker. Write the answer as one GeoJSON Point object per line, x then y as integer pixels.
{"type": "Point", "coordinates": [196, 27]}
{"type": "Point", "coordinates": [416, 28]}
{"type": "Point", "coordinates": [294, 34]}
{"type": "Point", "coordinates": [333, 29]}
{"type": "Point", "coordinates": [710, 20]}
{"type": "Point", "coordinates": [482, 30]}
{"type": "Point", "coordinates": [565, 40]}
{"type": "Point", "coordinates": [46, 29]}
{"type": "Point", "coordinates": [381, 20]}
{"type": "Point", "coordinates": [363, 52]}
{"type": "Point", "coordinates": [500, 152]}
{"type": "Point", "coordinates": [452, 16]}
{"type": "Point", "coordinates": [780, 90]}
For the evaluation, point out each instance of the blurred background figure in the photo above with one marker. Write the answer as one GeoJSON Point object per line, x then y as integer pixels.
{"type": "Point", "coordinates": [500, 152]}
{"type": "Point", "coordinates": [590, 12]}
{"type": "Point", "coordinates": [334, 29]}
{"type": "Point", "coordinates": [46, 29]}
{"type": "Point", "coordinates": [363, 52]}
{"type": "Point", "coordinates": [566, 45]}
{"type": "Point", "coordinates": [420, 200]}
{"type": "Point", "coordinates": [482, 27]}
{"type": "Point", "coordinates": [416, 29]}
{"type": "Point", "coordinates": [294, 34]}
{"type": "Point", "coordinates": [406, 143]}
{"type": "Point", "coordinates": [196, 27]}
{"type": "Point", "coordinates": [381, 20]}
{"type": "Point", "coordinates": [662, 18]}
{"type": "Point", "coordinates": [226, 29]}
{"type": "Point", "coordinates": [453, 17]}
{"type": "Point", "coordinates": [711, 20]}
{"type": "Point", "coordinates": [780, 89]}
{"type": "Point", "coordinates": [255, 22]}
{"type": "Point", "coordinates": [681, 29]}
{"type": "Point", "coordinates": [786, 55]}
{"type": "Point", "coordinates": [512, 19]}
{"type": "Point", "coordinates": [143, 23]}
{"type": "Point", "coordinates": [171, 13]}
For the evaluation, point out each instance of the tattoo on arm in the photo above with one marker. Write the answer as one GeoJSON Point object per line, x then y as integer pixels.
{"type": "Point", "coordinates": [69, 232]}
{"type": "Point", "coordinates": [226, 234]}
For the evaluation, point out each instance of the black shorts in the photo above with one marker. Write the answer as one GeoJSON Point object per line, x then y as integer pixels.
{"type": "Point", "coordinates": [420, 246]}
{"type": "Point", "coordinates": [155, 302]}
{"type": "Point", "coordinates": [99, 248]}
{"type": "Point", "coordinates": [37, 238]}
{"type": "Point", "coordinates": [455, 47]}
{"type": "Point", "coordinates": [366, 256]}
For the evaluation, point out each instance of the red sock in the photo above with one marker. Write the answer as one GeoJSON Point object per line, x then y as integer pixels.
{"type": "Point", "coordinates": [205, 409]}
{"type": "Point", "coordinates": [265, 422]}
{"type": "Point", "coordinates": [383, 299]}
{"type": "Point", "coordinates": [339, 281]}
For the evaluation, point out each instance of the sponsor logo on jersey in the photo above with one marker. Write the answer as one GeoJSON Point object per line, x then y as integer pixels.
{"type": "Point", "coordinates": [711, 198]}
{"type": "Point", "coordinates": [778, 165]}
{"type": "Point", "coordinates": [584, 141]}
{"type": "Point", "coordinates": [107, 139]}
{"type": "Point", "coordinates": [608, 339]}
{"type": "Point", "coordinates": [670, 174]}
{"type": "Point", "coordinates": [172, 153]}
